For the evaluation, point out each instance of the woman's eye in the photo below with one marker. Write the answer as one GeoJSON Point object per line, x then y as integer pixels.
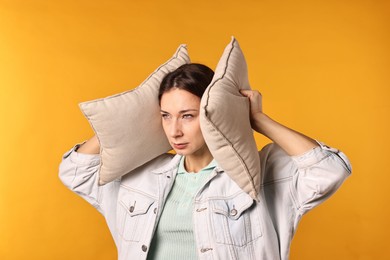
{"type": "Point", "coordinates": [187, 116]}
{"type": "Point", "coordinates": [165, 116]}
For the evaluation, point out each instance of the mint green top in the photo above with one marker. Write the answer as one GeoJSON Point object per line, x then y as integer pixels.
{"type": "Point", "coordinates": [174, 237]}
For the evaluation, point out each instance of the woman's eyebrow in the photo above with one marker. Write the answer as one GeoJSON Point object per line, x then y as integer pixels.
{"type": "Point", "coordinates": [188, 110]}
{"type": "Point", "coordinates": [181, 111]}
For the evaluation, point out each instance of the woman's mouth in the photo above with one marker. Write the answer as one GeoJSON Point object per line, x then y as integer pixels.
{"type": "Point", "coordinates": [180, 146]}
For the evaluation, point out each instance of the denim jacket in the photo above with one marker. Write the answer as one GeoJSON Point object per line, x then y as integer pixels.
{"type": "Point", "coordinates": [227, 222]}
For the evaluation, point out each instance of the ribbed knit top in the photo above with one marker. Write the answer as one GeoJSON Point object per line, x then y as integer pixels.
{"type": "Point", "coordinates": [174, 237]}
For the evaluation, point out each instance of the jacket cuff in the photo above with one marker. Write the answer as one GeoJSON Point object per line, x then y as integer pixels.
{"type": "Point", "coordinates": [317, 154]}
{"type": "Point", "coordinates": [82, 158]}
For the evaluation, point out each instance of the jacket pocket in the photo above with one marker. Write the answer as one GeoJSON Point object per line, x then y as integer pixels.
{"type": "Point", "coordinates": [235, 220]}
{"type": "Point", "coordinates": [134, 216]}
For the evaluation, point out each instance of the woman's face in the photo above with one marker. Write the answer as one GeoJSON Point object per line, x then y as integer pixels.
{"type": "Point", "coordinates": [180, 120]}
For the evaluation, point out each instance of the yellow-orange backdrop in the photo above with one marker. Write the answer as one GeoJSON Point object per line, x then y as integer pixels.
{"type": "Point", "coordinates": [322, 66]}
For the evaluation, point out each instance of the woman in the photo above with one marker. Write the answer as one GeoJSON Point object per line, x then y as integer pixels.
{"type": "Point", "coordinates": [186, 207]}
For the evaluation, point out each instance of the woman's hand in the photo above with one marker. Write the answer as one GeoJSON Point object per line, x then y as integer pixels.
{"type": "Point", "coordinates": [92, 146]}
{"type": "Point", "coordinates": [256, 108]}
{"type": "Point", "coordinates": [293, 142]}
{"type": "Point", "coordinates": [255, 100]}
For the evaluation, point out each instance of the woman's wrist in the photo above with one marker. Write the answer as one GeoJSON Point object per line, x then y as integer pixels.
{"type": "Point", "coordinates": [259, 122]}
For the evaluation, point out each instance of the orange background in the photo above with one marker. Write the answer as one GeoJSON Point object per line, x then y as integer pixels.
{"type": "Point", "coordinates": [322, 67]}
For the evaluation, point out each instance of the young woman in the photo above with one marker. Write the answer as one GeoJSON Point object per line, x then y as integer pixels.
{"type": "Point", "coordinates": [185, 206]}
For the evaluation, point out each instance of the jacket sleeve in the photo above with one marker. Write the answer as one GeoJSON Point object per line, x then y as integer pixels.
{"type": "Point", "coordinates": [80, 173]}
{"type": "Point", "coordinates": [319, 173]}
{"type": "Point", "coordinates": [303, 181]}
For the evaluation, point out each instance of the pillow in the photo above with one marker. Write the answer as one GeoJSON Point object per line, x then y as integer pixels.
{"type": "Point", "coordinates": [225, 121]}
{"type": "Point", "coordinates": [126, 122]}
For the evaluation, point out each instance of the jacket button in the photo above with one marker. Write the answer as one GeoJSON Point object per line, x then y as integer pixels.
{"type": "Point", "coordinates": [131, 209]}
{"type": "Point", "coordinates": [233, 212]}
{"type": "Point", "coordinates": [144, 248]}
{"type": "Point", "coordinates": [155, 210]}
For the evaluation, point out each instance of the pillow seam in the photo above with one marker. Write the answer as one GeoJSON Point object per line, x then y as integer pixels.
{"type": "Point", "coordinates": [223, 75]}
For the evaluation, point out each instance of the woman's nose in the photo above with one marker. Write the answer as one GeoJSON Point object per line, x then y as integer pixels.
{"type": "Point", "coordinates": [176, 130]}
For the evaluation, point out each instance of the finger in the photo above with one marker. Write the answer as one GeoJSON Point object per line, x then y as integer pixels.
{"type": "Point", "coordinates": [245, 92]}
{"type": "Point", "coordinates": [250, 93]}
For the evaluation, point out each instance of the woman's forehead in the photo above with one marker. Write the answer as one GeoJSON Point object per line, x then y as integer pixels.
{"type": "Point", "coordinates": [177, 100]}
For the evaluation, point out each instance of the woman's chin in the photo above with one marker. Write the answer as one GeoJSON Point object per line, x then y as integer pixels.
{"type": "Point", "coordinates": [179, 152]}
{"type": "Point", "coordinates": [182, 152]}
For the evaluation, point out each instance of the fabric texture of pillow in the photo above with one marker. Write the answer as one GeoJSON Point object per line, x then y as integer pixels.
{"type": "Point", "coordinates": [225, 121]}
{"type": "Point", "coordinates": [128, 125]}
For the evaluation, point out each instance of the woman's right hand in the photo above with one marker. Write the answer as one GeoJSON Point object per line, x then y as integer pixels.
{"type": "Point", "coordinates": [92, 146]}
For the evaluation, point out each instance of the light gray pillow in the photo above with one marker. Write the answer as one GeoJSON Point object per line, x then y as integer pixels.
{"type": "Point", "coordinates": [225, 121]}
{"type": "Point", "coordinates": [128, 125]}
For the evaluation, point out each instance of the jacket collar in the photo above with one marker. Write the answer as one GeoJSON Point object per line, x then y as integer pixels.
{"type": "Point", "coordinates": [182, 169]}
{"type": "Point", "coordinates": [168, 167]}
{"type": "Point", "coordinates": [173, 164]}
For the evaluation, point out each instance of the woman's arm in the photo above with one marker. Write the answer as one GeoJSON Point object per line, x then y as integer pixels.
{"type": "Point", "coordinates": [291, 141]}
{"type": "Point", "coordinates": [79, 172]}
{"type": "Point", "coordinates": [91, 146]}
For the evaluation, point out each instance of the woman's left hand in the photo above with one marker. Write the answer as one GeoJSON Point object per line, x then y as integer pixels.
{"type": "Point", "coordinates": [255, 101]}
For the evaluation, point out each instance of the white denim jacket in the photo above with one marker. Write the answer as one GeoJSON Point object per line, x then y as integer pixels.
{"type": "Point", "coordinates": [227, 222]}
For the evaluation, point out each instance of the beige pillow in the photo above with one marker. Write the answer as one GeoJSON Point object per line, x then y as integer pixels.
{"type": "Point", "coordinates": [128, 125]}
{"type": "Point", "coordinates": [225, 121]}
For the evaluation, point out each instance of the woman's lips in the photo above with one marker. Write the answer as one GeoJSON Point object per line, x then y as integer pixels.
{"type": "Point", "coordinates": [180, 146]}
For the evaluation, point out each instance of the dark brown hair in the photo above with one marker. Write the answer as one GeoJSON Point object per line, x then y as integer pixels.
{"type": "Point", "coordinates": [192, 77]}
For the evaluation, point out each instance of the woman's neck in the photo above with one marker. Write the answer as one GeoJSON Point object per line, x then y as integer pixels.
{"type": "Point", "coordinates": [196, 162]}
